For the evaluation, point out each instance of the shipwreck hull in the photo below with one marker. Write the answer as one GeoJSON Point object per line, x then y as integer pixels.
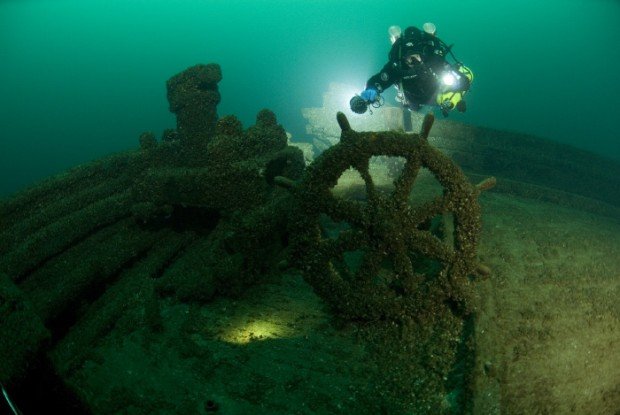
{"type": "Point", "coordinates": [107, 247]}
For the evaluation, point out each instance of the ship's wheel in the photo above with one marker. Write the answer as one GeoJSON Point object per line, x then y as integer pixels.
{"type": "Point", "coordinates": [383, 259]}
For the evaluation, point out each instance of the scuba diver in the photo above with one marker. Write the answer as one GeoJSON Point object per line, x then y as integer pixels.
{"type": "Point", "coordinates": [419, 70]}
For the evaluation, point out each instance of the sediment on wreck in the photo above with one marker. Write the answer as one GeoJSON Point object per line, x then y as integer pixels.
{"type": "Point", "coordinates": [75, 248]}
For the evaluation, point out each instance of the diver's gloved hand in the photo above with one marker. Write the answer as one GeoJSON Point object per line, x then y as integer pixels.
{"type": "Point", "coordinates": [358, 105]}
{"type": "Point", "coordinates": [461, 106]}
{"type": "Point", "coordinates": [370, 95]}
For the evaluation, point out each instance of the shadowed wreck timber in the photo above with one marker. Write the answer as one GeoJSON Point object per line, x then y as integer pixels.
{"type": "Point", "coordinates": [49, 240]}
{"type": "Point", "coordinates": [55, 289]}
{"type": "Point", "coordinates": [118, 304]}
{"type": "Point", "coordinates": [22, 333]}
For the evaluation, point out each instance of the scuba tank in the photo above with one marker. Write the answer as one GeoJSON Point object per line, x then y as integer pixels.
{"type": "Point", "coordinates": [429, 28]}
{"type": "Point", "coordinates": [394, 32]}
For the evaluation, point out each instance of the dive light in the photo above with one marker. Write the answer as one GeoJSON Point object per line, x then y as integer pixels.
{"type": "Point", "coordinates": [450, 78]}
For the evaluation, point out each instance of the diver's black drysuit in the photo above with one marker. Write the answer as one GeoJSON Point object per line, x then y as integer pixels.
{"type": "Point", "coordinates": [417, 80]}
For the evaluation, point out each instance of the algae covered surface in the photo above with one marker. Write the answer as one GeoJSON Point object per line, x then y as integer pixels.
{"type": "Point", "coordinates": [236, 245]}
{"type": "Point", "coordinates": [178, 278]}
{"type": "Point", "coordinates": [546, 337]}
{"type": "Point", "coordinates": [549, 329]}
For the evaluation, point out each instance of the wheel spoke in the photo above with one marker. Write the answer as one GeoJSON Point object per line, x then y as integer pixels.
{"type": "Point", "coordinates": [364, 170]}
{"type": "Point", "coordinates": [371, 264]}
{"type": "Point", "coordinates": [429, 245]}
{"type": "Point", "coordinates": [427, 211]}
{"type": "Point", "coordinates": [402, 264]}
{"type": "Point", "coordinates": [404, 183]}
{"type": "Point", "coordinates": [351, 211]}
{"type": "Point", "coordinates": [347, 240]}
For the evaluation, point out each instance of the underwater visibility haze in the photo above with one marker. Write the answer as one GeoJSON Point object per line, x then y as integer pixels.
{"type": "Point", "coordinates": [193, 220]}
{"type": "Point", "coordinates": [81, 79]}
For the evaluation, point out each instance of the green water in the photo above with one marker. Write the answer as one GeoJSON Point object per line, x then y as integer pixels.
{"type": "Point", "coordinates": [81, 79]}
